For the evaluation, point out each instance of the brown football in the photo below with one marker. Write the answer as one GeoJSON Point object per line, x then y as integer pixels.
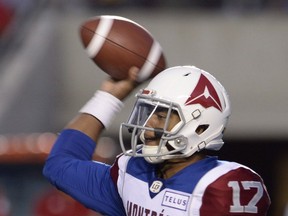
{"type": "Point", "coordinates": [116, 44]}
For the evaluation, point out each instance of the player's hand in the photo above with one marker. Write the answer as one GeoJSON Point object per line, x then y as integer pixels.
{"type": "Point", "coordinates": [121, 88]}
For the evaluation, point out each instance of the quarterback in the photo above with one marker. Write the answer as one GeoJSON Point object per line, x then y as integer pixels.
{"type": "Point", "coordinates": [165, 168]}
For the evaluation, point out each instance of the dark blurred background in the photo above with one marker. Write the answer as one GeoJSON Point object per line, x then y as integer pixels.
{"type": "Point", "coordinates": [46, 77]}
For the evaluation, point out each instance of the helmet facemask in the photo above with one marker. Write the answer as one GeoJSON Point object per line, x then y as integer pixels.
{"type": "Point", "coordinates": [145, 107]}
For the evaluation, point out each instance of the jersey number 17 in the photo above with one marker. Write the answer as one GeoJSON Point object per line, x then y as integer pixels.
{"type": "Point", "coordinates": [251, 207]}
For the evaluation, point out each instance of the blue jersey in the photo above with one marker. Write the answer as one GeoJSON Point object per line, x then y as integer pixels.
{"type": "Point", "coordinates": [131, 186]}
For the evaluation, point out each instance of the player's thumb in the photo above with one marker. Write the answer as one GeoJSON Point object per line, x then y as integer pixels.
{"type": "Point", "coordinates": [133, 73]}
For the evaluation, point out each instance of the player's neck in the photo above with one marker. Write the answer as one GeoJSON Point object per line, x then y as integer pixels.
{"type": "Point", "coordinates": [171, 167]}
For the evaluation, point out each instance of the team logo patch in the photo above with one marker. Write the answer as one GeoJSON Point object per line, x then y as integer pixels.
{"type": "Point", "coordinates": [156, 186]}
{"type": "Point", "coordinates": [175, 200]}
{"type": "Point", "coordinates": [204, 94]}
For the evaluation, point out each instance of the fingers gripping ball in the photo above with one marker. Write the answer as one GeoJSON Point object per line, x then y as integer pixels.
{"type": "Point", "coordinates": [116, 44]}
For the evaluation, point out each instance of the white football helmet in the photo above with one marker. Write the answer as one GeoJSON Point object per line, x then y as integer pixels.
{"type": "Point", "coordinates": [199, 100]}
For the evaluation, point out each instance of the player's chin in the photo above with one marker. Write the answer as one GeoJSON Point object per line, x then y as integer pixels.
{"type": "Point", "coordinates": [151, 142]}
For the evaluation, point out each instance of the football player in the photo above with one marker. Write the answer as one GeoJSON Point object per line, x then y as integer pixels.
{"type": "Point", "coordinates": [164, 169]}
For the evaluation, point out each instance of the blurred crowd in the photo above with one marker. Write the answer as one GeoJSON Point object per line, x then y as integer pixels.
{"type": "Point", "coordinates": [49, 203]}
{"type": "Point", "coordinates": [15, 14]}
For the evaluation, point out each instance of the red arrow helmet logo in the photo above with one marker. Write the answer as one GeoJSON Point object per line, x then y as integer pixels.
{"type": "Point", "coordinates": [205, 95]}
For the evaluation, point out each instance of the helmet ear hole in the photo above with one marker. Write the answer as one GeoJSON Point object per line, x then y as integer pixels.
{"type": "Point", "coordinates": [201, 128]}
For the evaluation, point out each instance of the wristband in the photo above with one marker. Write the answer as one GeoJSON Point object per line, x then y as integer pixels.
{"type": "Point", "coordinates": [103, 106]}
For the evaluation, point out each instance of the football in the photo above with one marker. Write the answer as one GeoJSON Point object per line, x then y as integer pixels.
{"type": "Point", "coordinates": [115, 44]}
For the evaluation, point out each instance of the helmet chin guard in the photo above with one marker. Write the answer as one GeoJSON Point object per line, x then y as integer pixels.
{"type": "Point", "coordinates": [196, 97]}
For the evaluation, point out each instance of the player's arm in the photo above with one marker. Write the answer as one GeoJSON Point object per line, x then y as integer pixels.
{"type": "Point", "coordinates": [69, 166]}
